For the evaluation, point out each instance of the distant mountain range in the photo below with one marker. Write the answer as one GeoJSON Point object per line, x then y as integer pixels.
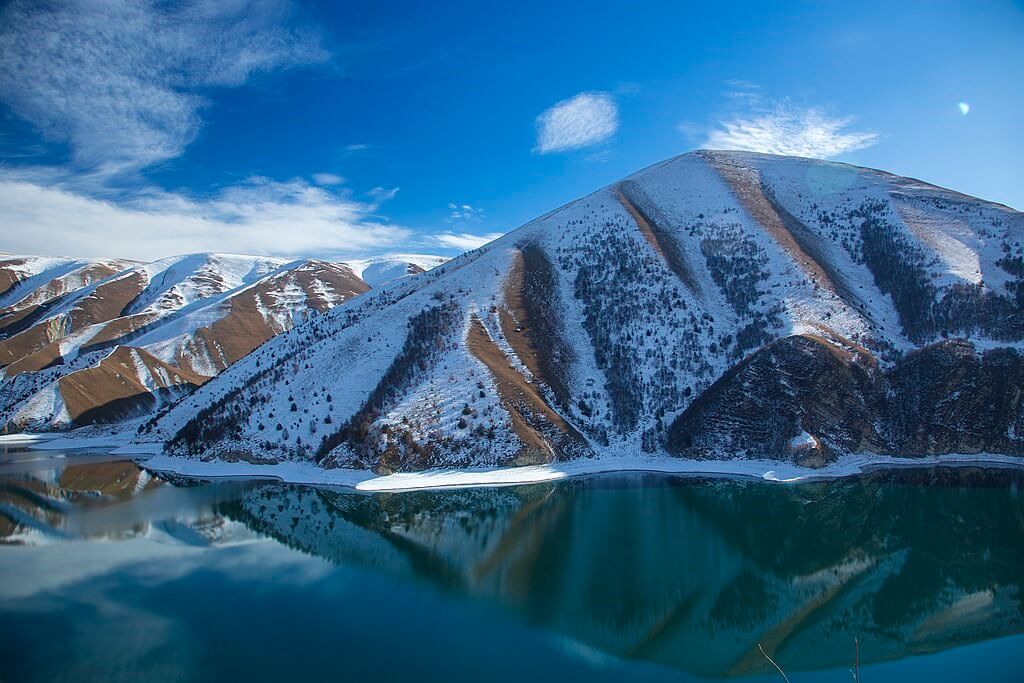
{"type": "Point", "coordinates": [718, 305]}
{"type": "Point", "coordinates": [84, 341]}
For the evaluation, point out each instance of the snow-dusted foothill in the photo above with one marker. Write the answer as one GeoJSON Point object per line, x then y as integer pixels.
{"type": "Point", "coordinates": [103, 341]}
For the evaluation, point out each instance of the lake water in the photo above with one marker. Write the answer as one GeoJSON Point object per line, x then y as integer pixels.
{"type": "Point", "coordinates": [108, 574]}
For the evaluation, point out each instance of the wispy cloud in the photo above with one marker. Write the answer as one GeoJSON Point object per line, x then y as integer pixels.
{"type": "Point", "coordinates": [328, 179]}
{"type": "Point", "coordinates": [464, 240]}
{"type": "Point", "coordinates": [259, 216]}
{"type": "Point", "coordinates": [459, 212]}
{"type": "Point", "coordinates": [757, 124]}
{"type": "Point", "coordinates": [585, 120]}
{"type": "Point", "coordinates": [793, 131]}
{"type": "Point", "coordinates": [120, 81]}
{"type": "Point", "coordinates": [383, 194]}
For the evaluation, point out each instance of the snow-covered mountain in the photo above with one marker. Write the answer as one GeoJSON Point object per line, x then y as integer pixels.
{"type": "Point", "coordinates": [715, 305]}
{"type": "Point", "coordinates": [85, 341]}
{"type": "Point", "coordinates": [377, 271]}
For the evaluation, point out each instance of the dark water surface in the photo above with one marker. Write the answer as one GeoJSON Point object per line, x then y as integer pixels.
{"type": "Point", "coordinates": [108, 574]}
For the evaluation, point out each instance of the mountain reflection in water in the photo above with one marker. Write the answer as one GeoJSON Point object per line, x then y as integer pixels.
{"type": "Point", "coordinates": [681, 572]}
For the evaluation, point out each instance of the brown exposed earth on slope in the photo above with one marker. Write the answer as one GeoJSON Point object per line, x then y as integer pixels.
{"type": "Point", "coordinates": [641, 223]}
{"type": "Point", "coordinates": [105, 303]}
{"type": "Point", "coordinates": [796, 239]}
{"type": "Point", "coordinates": [112, 331]}
{"type": "Point", "coordinates": [113, 387]}
{"type": "Point", "coordinates": [37, 360]}
{"type": "Point", "coordinates": [341, 279]}
{"type": "Point", "coordinates": [242, 329]}
{"type": "Point", "coordinates": [9, 274]}
{"type": "Point", "coordinates": [82, 277]}
{"type": "Point", "coordinates": [15, 316]}
{"type": "Point", "coordinates": [244, 326]}
{"type": "Point", "coordinates": [30, 341]}
{"type": "Point", "coordinates": [542, 431]}
{"type": "Point", "coordinates": [657, 233]}
{"type": "Point", "coordinates": [530, 323]}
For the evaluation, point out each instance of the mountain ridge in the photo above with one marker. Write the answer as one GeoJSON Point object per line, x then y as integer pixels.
{"type": "Point", "coordinates": [184, 318]}
{"type": "Point", "coordinates": [619, 325]}
{"type": "Point", "coordinates": [609, 316]}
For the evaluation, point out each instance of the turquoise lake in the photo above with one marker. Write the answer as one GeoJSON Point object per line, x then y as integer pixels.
{"type": "Point", "coordinates": [110, 574]}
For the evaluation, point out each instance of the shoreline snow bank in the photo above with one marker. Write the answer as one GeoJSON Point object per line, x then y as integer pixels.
{"type": "Point", "coordinates": [368, 481]}
{"type": "Point", "coordinates": [69, 443]}
{"type": "Point", "coordinates": [139, 449]}
{"type": "Point", "coordinates": [151, 455]}
{"type": "Point", "coordinates": [26, 438]}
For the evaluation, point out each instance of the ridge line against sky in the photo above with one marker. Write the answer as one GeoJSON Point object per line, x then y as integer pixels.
{"type": "Point", "coordinates": [142, 129]}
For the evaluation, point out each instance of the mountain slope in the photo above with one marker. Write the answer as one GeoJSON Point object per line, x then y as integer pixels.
{"type": "Point", "coordinates": [100, 341]}
{"type": "Point", "coordinates": [630, 320]}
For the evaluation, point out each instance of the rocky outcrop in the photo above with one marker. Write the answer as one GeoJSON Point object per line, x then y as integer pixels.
{"type": "Point", "coordinates": [809, 398]}
{"type": "Point", "coordinates": [949, 398]}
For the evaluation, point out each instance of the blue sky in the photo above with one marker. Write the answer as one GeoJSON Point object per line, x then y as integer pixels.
{"type": "Point", "coordinates": [351, 129]}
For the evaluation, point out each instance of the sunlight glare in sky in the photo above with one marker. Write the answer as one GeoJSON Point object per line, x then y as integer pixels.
{"type": "Point", "coordinates": [964, 108]}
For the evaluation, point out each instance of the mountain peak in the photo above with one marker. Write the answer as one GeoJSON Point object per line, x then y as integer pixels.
{"type": "Point", "coordinates": [615, 325]}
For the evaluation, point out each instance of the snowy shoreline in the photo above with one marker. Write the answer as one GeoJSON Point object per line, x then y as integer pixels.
{"type": "Point", "coordinates": [368, 481]}
{"type": "Point", "coordinates": [151, 457]}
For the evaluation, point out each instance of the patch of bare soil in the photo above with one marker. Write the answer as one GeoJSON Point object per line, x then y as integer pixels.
{"type": "Point", "coordinates": [104, 303]}
{"type": "Point", "coordinates": [37, 360]}
{"type": "Point", "coordinates": [117, 329]}
{"type": "Point", "coordinates": [114, 384]}
{"type": "Point", "coordinates": [796, 239]}
{"type": "Point", "coordinates": [107, 337]}
{"type": "Point", "coordinates": [62, 286]}
{"type": "Point", "coordinates": [342, 279]}
{"type": "Point", "coordinates": [530, 322]}
{"type": "Point", "coordinates": [533, 420]}
{"type": "Point", "coordinates": [657, 233]}
{"type": "Point", "coordinates": [9, 317]}
{"type": "Point", "coordinates": [107, 301]}
{"type": "Point", "coordinates": [31, 340]}
{"type": "Point", "coordinates": [244, 327]}
{"type": "Point", "coordinates": [9, 274]}
{"type": "Point", "coordinates": [240, 331]}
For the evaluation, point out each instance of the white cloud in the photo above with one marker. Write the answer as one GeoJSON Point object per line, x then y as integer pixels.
{"type": "Point", "coordinates": [581, 121]}
{"type": "Point", "coordinates": [459, 212]}
{"type": "Point", "coordinates": [122, 83]}
{"type": "Point", "coordinates": [464, 240]}
{"type": "Point", "coordinates": [787, 129]}
{"type": "Point", "coordinates": [328, 179]}
{"type": "Point", "coordinates": [742, 84]}
{"type": "Point", "coordinates": [119, 80]}
{"type": "Point", "coordinates": [260, 216]}
{"type": "Point", "coordinates": [383, 194]}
